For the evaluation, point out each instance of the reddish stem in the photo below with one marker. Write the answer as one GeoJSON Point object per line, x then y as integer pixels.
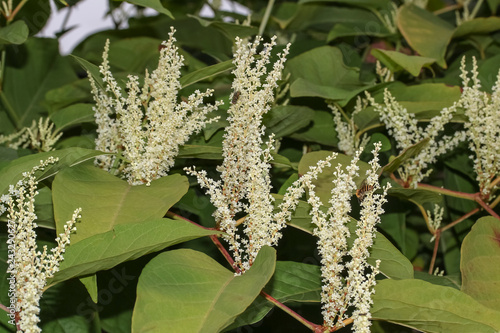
{"type": "Point", "coordinates": [313, 327]}
{"type": "Point", "coordinates": [460, 219]}
{"type": "Point", "coordinates": [437, 234]}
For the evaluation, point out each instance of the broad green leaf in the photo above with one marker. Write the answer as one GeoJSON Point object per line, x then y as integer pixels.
{"type": "Point", "coordinates": [397, 61]}
{"type": "Point", "coordinates": [154, 4]}
{"type": "Point", "coordinates": [419, 196]}
{"type": "Point", "coordinates": [75, 92]}
{"type": "Point", "coordinates": [480, 262]}
{"type": "Point", "coordinates": [15, 33]}
{"type": "Point", "coordinates": [321, 130]}
{"type": "Point", "coordinates": [72, 115]}
{"type": "Point", "coordinates": [412, 151]}
{"type": "Point", "coordinates": [393, 264]}
{"type": "Point", "coordinates": [287, 119]}
{"type": "Point", "coordinates": [426, 33]}
{"type": "Point", "coordinates": [90, 283]}
{"type": "Point", "coordinates": [107, 201]}
{"type": "Point", "coordinates": [12, 172]}
{"type": "Point", "coordinates": [291, 282]}
{"type": "Point", "coordinates": [431, 308]}
{"type": "Point", "coordinates": [206, 73]}
{"type": "Point", "coordinates": [133, 55]}
{"type": "Point", "coordinates": [92, 69]}
{"type": "Point", "coordinates": [452, 281]}
{"type": "Point", "coordinates": [31, 70]}
{"type": "Point", "coordinates": [124, 243]}
{"type": "Point", "coordinates": [187, 291]}
{"type": "Point", "coordinates": [324, 183]}
{"type": "Point", "coordinates": [321, 72]}
{"type": "Point", "coordinates": [479, 25]}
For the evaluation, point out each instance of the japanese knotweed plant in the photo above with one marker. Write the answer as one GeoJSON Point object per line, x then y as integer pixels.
{"type": "Point", "coordinates": [403, 127]}
{"type": "Point", "coordinates": [29, 268]}
{"type": "Point", "coordinates": [348, 284]}
{"type": "Point", "coordinates": [145, 127]}
{"type": "Point", "coordinates": [244, 190]}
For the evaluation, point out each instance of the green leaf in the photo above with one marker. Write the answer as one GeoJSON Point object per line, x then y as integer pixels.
{"type": "Point", "coordinates": [426, 33]}
{"type": "Point", "coordinates": [321, 130]}
{"type": "Point", "coordinates": [393, 264]}
{"type": "Point", "coordinates": [284, 120]}
{"type": "Point", "coordinates": [206, 73]}
{"type": "Point", "coordinates": [73, 115]}
{"type": "Point", "coordinates": [431, 308]}
{"type": "Point", "coordinates": [31, 70]}
{"type": "Point", "coordinates": [187, 291]}
{"type": "Point", "coordinates": [12, 172]}
{"type": "Point", "coordinates": [123, 243]}
{"type": "Point", "coordinates": [92, 69]}
{"type": "Point", "coordinates": [452, 281]}
{"type": "Point", "coordinates": [480, 262]}
{"type": "Point", "coordinates": [133, 55]}
{"type": "Point", "coordinates": [397, 61]}
{"type": "Point", "coordinates": [154, 4]}
{"type": "Point", "coordinates": [321, 72]}
{"type": "Point", "coordinates": [410, 152]}
{"type": "Point", "coordinates": [291, 282]}
{"type": "Point", "coordinates": [419, 196]}
{"type": "Point", "coordinates": [107, 201]}
{"type": "Point", "coordinates": [479, 25]}
{"type": "Point", "coordinates": [15, 33]}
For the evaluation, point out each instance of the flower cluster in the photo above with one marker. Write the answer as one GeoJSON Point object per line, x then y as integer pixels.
{"type": "Point", "coordinates": [145, 128]}
{"type": "Point", "coordinates": [347, 132]}
{"type": "Point", "coordinates": [29, 268]}
{"type": "Point", "coordinates": [40, 136]}
{"type": "Point", "coordinates": [347, 284]}
{"type": "Point", "coordinates": [403, 127]}
{"type": "Point", "coordinates": [245, 185]}
{"type": "Point", "coordinates": [483, 126]}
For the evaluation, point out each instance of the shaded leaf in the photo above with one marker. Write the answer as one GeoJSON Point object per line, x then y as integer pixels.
{"type": "Point", "coordinates": [321, 130]}
{"type": "Point", "coordinates": [479, 25]}
{"type": "Point", "coordinates": [287, 119]}
{"type": "Point", "coordinates": [15, 33]}
{"type": "Point", "coordinates": [397, 61]}
{"type": "Point", "coordinates": [187, 291]}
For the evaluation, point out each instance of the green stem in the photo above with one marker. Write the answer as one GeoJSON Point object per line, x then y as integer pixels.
{"type": "Point", "coordinates": [10, 111]}
{"type": "Point", "coordinates": [265, 19]}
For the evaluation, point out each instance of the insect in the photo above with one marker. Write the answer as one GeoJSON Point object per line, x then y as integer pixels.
{"type": "Point", "coordinates": [236, 95]}
{"type": "Point", "coordinates": [361, 191]}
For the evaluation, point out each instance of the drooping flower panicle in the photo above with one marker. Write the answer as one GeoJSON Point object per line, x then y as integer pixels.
{"type": "Point", "coordinates": [150, 124]}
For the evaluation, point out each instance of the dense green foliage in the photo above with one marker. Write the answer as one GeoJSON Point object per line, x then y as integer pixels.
{"type": "Point", "coordinates": [136, 264]}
